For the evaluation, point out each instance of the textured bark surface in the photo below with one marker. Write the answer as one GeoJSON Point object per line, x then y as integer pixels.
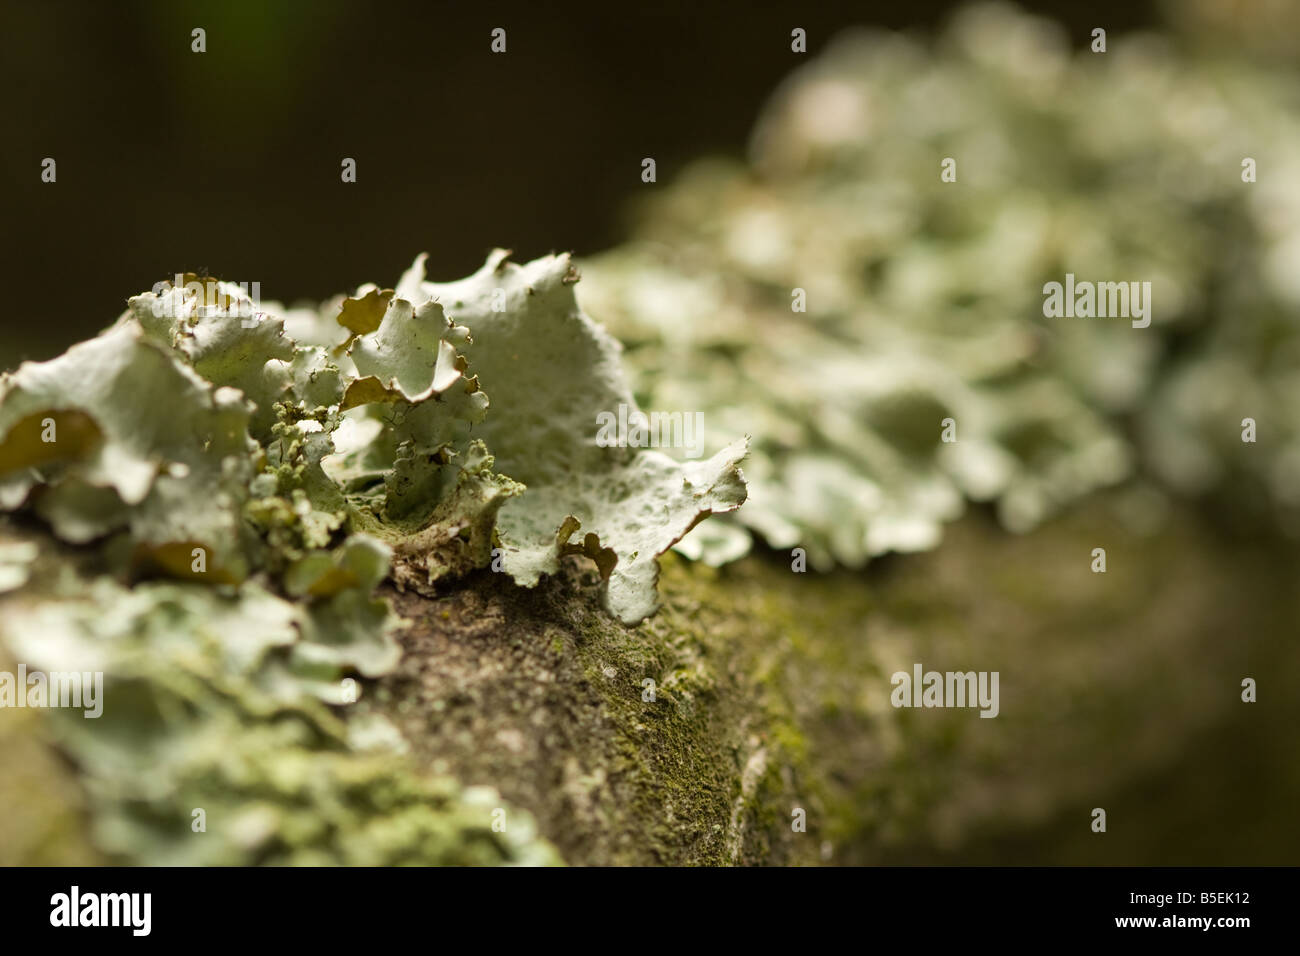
{"type": "Point", "coordinates": [1119, 690]}
{"type": "Point", "coordinates": [771, 693]}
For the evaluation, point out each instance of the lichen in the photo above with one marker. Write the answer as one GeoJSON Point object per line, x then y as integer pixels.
{"type": "Point", "coordinates": [241, 496]}
{"type": "Point", "coordinates": [213, 745]}
{"type": "Point", "coordinates": [528, 332]}
{"type": "Point", "coordinates": [859, 302]}
{"type": "Point", "coordinates": [278, 533]}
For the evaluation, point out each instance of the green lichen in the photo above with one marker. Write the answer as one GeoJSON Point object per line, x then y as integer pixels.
{"type": "Point", "coordinates": [528, 331]}
{"type": "Point", "coordinates": [213, 746]}
{"type": "Point", "coordinates": [248, 519]}
{"type": "Point", "coordinates": [243, 495]}
{"type": "Point", "coordinates": [924, 298]}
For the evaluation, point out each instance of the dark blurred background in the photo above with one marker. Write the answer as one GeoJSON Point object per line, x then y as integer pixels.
{"type": "Point", "coordinates": [229, 160]}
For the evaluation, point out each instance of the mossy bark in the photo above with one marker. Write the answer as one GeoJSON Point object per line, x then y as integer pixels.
{"type": "Point", "coordinates": [771, 695]}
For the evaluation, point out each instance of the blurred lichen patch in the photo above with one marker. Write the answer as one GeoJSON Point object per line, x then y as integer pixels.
{"type": "Point", "coordinates": [865, 296]}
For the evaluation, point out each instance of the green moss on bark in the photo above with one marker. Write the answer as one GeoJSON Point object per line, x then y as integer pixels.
{"type": "Point", "coordinates": [1118, 690]}
{"type": "Point", "coordinates": [772, 693]}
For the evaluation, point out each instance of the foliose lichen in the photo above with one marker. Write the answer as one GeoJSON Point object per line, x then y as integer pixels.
{"type": "Point", "coordinates": [885, 326]}
{"type": "Point", "coordinates": [239, 492]}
